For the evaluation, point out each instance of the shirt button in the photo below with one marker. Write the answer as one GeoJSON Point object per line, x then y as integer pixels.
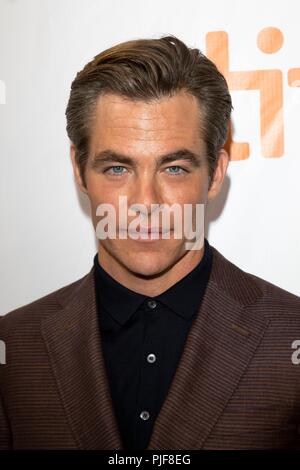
{"type": "Point", "coordinates": [145, 415]}
{"type": "Point", "coordinates": [151, 303]}
{"type": "Point", "coordinates": [151, 358]}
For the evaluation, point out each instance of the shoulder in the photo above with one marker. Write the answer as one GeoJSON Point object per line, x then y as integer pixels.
{"type": "Point", "coordinates": [253, 290]}
{"type": "Point", "coordinates": [32, 313]}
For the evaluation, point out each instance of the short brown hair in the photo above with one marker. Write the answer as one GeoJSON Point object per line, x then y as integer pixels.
{"type": "Point", "coordinates": [148, 69]}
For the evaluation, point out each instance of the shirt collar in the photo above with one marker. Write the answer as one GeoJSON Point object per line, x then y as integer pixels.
{"type": "Point", "coordinates": [183, 297]}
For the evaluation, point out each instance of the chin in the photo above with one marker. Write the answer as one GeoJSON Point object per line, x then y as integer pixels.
{"type": "Point", "coordinates": [147, 264]}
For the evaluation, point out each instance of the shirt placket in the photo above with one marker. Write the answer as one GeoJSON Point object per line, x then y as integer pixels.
{"type": "Point", "coordinates": [149, 374]}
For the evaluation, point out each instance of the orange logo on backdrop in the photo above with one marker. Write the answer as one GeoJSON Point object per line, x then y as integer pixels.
{"type": "Point", "coordinates": [268, 82]}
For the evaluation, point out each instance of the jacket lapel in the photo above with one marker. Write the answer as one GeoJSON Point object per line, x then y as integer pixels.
{"type": "Point", "coordinates": [73, 343]}
{"type": "Point", "coordinates": [219, 347]}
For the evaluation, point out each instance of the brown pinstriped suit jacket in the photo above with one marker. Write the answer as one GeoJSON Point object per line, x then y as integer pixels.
{"type": "Point", "coordinates": [235, 387]}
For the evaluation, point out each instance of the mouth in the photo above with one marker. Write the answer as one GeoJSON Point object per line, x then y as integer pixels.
{"type": "Point", "coordinates": [141, 229]}
{"type": "Point", "coordinates": [148, 234]}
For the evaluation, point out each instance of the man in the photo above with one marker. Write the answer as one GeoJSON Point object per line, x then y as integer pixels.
{"type": "Point", "coordinates": [158, 346]}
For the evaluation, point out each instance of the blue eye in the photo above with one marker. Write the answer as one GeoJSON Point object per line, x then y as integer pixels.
{"type": "Point", "coordinates": [181, 170]}
{"type": "Point", "coordinates": [117, 168]}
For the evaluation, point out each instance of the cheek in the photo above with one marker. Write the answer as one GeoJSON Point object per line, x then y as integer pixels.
{"type": "Point", "coordinates": [198, 190]}
{"type": "Point", "coordinates": [100, 191]}
{"type": "Point", "coordinates": [193, 191]}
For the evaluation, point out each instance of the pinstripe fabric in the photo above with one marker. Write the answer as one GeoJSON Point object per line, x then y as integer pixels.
{"type": "Point", "coordinates": [235, 386]}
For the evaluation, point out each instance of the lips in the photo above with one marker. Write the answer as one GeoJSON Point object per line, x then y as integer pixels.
{"type": "Point", "coordinates": [149, 230]}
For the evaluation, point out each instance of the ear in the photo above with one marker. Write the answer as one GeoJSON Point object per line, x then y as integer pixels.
{"type": "Point", "coordinates": [219, 174]}
{"type": "Point", "coordinates": [76, 170]}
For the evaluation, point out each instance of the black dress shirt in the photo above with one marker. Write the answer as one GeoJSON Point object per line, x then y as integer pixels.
{"type": "Point", "coordinates": [142, 342]}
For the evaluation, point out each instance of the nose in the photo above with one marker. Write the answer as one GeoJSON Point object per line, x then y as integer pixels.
{"type": "Point", "coordinates": [147, 192]}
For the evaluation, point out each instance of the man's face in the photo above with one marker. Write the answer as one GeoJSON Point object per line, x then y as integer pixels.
{"type": "Point", "coordinates": [128, 143]}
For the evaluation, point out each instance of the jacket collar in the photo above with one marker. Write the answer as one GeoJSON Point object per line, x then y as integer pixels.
{"type": "Point", "coordinates": [218, 349]}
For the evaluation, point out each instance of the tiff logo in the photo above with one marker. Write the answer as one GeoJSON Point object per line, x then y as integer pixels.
{"type": "Point", "coordinates": [268, 82]}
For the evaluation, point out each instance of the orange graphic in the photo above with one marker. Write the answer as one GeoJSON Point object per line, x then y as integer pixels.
{"type": "Point", "coordinates": [294, 77]}
{"type": "Point", "coordinates": [267, 82]}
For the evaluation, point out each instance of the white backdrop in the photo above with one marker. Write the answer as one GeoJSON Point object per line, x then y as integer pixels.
{"type": "Point", "coordinates": [47, 238]}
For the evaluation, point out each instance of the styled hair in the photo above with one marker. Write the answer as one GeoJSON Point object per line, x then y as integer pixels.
{"type": "Point", "coordinates": [145, 70]}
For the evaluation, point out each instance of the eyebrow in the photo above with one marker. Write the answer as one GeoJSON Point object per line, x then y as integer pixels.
{"type": "Point", "coordinates": [108, 156]}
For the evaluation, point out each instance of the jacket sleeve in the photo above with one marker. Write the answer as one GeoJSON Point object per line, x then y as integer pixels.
{"type": "Point", "coordinates": [5, 434]}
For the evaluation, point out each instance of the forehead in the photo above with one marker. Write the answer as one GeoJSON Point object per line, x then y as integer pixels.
{"type": "Point", "coordinates": [173, 121]}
